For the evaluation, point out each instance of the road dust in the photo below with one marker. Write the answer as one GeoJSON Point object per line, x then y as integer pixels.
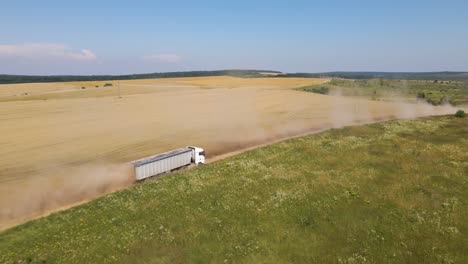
{"type": "Point", "coordinates": [398, 107]}
{"type": "Point", "coordinates": [77, 145]}
{"type": "Point", "coordinates": [62, 187]}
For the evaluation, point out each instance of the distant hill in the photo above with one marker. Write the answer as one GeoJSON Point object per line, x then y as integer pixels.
{"type": "Point", "coordinates": [442, 76]}
{"type": "Point", "coordinates": [5, 79]}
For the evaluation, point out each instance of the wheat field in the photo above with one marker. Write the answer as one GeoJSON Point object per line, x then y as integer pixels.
{"type": "Point", "coordinates": [61, 143]}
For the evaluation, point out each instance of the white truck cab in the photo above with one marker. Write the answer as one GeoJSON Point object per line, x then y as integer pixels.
{"type": "Point", "coordinates": [198, 155]}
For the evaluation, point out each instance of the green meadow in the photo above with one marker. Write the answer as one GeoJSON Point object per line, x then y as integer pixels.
{"type": "Point", "coordinates": [435, 92]}
{"type": "Point", "coordinates": [391, 192]}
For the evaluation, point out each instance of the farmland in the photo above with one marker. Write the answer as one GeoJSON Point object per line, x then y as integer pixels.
{"type": "Point", "coordinates": [64, 143]}
{"type": "Point", "coordinates": [432, 91]}
{"type": "Point", "coordinates": [391, 192]}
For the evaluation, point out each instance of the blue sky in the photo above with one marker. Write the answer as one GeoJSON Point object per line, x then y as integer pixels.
{"type": "Point", "coordinates": [119, 37]}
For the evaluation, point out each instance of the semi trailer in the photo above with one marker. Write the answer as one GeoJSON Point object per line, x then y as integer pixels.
{"type": "Point", "coordinates": [168, 161]}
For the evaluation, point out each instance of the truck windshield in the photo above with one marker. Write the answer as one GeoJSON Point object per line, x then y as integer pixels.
{"type": "Point", "coordinates": [202, 153]}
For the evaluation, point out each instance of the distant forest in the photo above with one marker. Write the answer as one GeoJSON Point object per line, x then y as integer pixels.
{"type": "Point", "coordinates": [5, 79]}
{"type": "Point", "coordinates": [442, 76]}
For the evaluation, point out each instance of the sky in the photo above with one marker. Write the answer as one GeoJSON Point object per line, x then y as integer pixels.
{"type": "Point", "coordinates": [125, 37]}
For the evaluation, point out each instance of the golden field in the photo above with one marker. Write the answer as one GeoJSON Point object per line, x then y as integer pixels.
{"type": "Point", "coordinates": [61, 144]}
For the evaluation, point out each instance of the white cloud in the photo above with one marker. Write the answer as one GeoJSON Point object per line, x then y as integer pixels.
{"type": "Point", "coordinates": [169, 58]}
{"type": "Point", "coordinates": [45, 50]}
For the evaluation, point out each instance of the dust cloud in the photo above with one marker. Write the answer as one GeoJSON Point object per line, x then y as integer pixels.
{"type": "Point", "coordinates": [58, 153]}
{"type": "Point", "coordinates": [41, 196]}
{"type": "Point", "coordinates": [345, 114]}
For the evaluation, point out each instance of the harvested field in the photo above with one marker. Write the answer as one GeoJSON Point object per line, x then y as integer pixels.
{"type": "Point", "coordinates": [62, 144]}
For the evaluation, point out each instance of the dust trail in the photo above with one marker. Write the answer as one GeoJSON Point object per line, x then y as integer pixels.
{"type": "Point", "coordinates": [63, 186]}
{"type": "Point", "coordinates": [348, 112]}
{"type": "Point", "coordinates": [67, 186]}
{"type": "Point", "coordinates": [91, 131]}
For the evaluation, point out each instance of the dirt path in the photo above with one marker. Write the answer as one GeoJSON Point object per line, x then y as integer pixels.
{"type": "Point", "coordinates": [63, 151]}
{"type": "Point", "coordinates": [14, 222]}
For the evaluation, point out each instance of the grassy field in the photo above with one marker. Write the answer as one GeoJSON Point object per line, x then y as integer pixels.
{"type": "Point", "coordinates": [427, 76]}
{"type": "Point", "coordinates": [62, 144]}
{"type": "Point", "coordinates": [392, 192]}
{"type": "Point", "coordinates": [438, 92]}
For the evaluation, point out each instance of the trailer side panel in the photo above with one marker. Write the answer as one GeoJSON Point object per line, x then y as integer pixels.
{"type": "Point", "coordinates": [166, 164]}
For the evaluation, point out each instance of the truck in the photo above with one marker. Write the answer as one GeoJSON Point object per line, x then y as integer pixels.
{"type": "Point", "coordinates": [168, 161]}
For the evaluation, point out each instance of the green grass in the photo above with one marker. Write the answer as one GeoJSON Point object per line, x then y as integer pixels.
{"type": "Point", "coordinates": [393, 192]}
{"type": "Point", "coordinates": [381, 89]}
{"type": "Point", "coordinates": [429, 76]}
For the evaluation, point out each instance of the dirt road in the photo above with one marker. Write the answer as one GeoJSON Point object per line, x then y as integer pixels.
{"type": "Point", "coordinates": [63, 147]}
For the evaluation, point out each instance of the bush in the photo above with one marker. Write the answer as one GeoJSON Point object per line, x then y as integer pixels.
{"type": "Point", "coordinates": [431, 101]}
{"type": "Point", "coordinates": [321, 90]}
{"type": "Point", "coordinates": [107, 84]}
{"type": "Point", "coordinates": [460, 113]}
{"type": "Point", "coordinates": [443, 100]}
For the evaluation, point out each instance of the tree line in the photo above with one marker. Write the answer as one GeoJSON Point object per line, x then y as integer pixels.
{"type": "Point", "coordinates": [8, 79]}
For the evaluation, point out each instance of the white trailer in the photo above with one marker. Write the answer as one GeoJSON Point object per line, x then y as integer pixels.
{"type": "Point", "coordinates": [167, 162]}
